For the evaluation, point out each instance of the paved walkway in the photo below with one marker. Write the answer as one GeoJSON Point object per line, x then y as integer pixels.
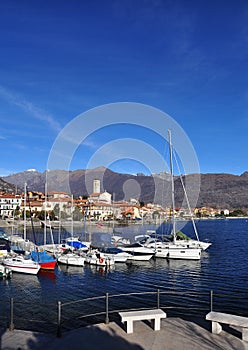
{"type": "Point", "coordinates": [175, 334]}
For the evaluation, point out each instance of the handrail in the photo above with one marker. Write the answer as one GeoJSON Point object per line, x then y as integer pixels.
{"type": "Point", "coordinates": [69, 313]}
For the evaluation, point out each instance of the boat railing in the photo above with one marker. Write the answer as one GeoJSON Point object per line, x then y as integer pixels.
{"type": "Point", "coordinates": [63, 316]}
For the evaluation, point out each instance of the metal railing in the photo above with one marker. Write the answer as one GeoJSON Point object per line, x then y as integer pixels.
{"type": "Point", "coordinates": [74, 314]}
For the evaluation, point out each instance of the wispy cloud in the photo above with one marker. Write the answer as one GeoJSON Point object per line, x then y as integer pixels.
{"type": "Point", "coordinates": [29, 107]}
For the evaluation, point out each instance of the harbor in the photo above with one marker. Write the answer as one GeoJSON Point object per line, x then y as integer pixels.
{"type": "Point", "coordinates": [184, 286]}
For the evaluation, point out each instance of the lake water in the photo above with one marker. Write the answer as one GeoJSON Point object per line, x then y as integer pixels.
{"type": "Point", "coordinates": [186, 285]}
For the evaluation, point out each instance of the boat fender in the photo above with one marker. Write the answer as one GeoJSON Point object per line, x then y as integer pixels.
{"type": "Point", "coordinates": [101, 260]}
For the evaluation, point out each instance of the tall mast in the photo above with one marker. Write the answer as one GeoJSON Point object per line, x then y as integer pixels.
{"type": "Point", "coordinates": [25, 213]}
{"type": "Point", "coordinates": [172, 189]}
{"type": "Point", "coordinates": [72, 233]}
{"type": "Point", "coordinates": [45, 214]}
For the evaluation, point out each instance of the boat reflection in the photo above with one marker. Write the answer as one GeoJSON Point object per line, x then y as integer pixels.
{"type": "Point", "coordinates": [47, 274]}
{"type": "Point", "coordinates": [101, 270]}
{"type": "Point", "coordinates": [71, 270]}
{"type": "Point", "coordinates": [178, 265]}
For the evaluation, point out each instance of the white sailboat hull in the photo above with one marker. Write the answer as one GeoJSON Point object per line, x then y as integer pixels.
{"type": "Point", "coordinates": [179, 252]}
{"type": "Point", "coordinates": [22, 265]}
{"type": "Point", "coordinates": [184, 253]}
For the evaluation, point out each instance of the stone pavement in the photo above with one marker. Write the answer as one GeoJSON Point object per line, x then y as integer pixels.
{"type": "Point", "coordinates": [175, 334]}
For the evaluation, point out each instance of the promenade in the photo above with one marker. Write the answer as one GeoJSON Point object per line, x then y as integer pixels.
{"type": "Point", "coordinates": [175, 334]}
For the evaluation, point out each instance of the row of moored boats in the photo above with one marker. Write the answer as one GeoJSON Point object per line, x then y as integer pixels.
{"type": "Point", "coordinates": [18, 255]}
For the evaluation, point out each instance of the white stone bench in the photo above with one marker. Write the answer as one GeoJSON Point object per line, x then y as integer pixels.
{"type": "Point", "coordinates": [154, 315]}
{"type": "Point", "coordinates": [232, 320]}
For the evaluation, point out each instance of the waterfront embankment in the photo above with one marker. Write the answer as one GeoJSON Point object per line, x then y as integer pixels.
{"type": "Point", "coordinates": [175, 334]}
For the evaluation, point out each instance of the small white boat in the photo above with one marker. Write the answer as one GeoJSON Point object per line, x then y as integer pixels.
{"type": "Point", "coordinates": [71, 259]}
{"type": "Point", "coordinates": [117, 254]}
{"type": "Point", "coordinates": [138, 252]}
{"type": "Point", "coordinates": [96, 257]}
{"type": "Point", "coordinates": [20, 264]}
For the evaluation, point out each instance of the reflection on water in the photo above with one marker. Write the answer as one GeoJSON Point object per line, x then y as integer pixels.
{"type": "Point", "coordinates": [101, 270]}
{"type": "Point", "coordinates": [47, 274]}
{"type": "Point", "coordinates": [71, 270]}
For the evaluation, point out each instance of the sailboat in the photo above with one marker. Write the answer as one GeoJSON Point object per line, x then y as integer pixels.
{"type": "Point", "coordinates": [39, 255]}
{"type": "Point", "coordinates": [176, 249]}
{"type": "Point", "coordinates": [21, 264]}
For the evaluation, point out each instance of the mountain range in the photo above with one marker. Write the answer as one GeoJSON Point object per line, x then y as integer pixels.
{"type": "Point", "coordinates": [223, 191]}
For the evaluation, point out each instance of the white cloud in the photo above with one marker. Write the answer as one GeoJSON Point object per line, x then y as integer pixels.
{"type": "Point", "coordinates": [29, 107]}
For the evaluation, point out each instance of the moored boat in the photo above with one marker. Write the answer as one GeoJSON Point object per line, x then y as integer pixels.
{"type": "Point", "coordinates": [183, 252]}
{"type": "Point", "coordinates": [46, 261]}
{"type": "Point", "coordinates": [171, 250]}
{"type": "Point", "coordinates": [71, 259]}
{"type": "Point", "coordinates": [96, 257]}
{"type": "Point", "coordinates": [19, 263]}
{"type": "Point", "coordinates": [75, 243]}
{"type": "Point", "coordinates": [138, 252]}
{"type": "Point", "coordinates": [117, 254]}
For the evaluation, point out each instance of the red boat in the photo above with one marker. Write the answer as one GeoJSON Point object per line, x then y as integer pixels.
{"type": "Point", "coordinates": [46, 261]}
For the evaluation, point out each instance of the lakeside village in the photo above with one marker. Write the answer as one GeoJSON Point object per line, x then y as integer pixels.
{"type": "Point", "coordinates": [97, 207]}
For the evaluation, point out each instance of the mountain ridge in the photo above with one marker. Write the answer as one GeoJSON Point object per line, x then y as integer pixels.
{"type": "Point", "coordinates": [223, 191]}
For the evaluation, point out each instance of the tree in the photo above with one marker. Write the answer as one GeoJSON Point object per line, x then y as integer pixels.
{"type": "Point", "coordinates": [237, 212]}
{"type": "Point", "coordinates": [77, 214]}
{"type": "Point", "coordinates": [56, 210]}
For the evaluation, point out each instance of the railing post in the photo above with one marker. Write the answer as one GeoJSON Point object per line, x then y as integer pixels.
{"type": "Point", "coordinates": [211, 300]}
{"type": "Point", "coordinates": [158, 299]}
{"type": "Point", "coordinates": [107, 309]}
{"type": "Point", "coordinates": [59, 320]}
{"type": "Point", "coordinates": [11, 326]}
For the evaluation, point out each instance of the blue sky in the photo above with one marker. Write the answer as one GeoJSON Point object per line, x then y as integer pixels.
{"type": "Point", "coordinates": [188, 59]}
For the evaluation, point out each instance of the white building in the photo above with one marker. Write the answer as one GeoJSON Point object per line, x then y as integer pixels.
{"type": "Point", "coordinates": [9, 203]}
{"type": "Point", "coordinates": [96, 186]}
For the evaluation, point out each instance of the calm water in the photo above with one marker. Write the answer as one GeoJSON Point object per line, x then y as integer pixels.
{"type": "Point", "coordinates": [223, 268]}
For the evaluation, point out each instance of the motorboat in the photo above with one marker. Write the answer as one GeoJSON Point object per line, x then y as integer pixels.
{"type": "Point", "coordinates": [117, 254]}
{"type": "Point", "coordinates": [71, 259]}
{"type": "Point", "coordinates": [21, 264]}
{"type": "Point", "coordinates": [119, 241]}
{"type": "Point", "coordinates": [95, 257]}
{"type": "Point", "coordinates": [138, 251]}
